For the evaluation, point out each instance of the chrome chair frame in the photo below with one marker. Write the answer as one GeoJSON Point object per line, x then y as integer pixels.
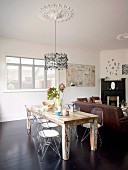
{"type": "Point", "coordinates": [44, 135]}
{"type": "Point", "coordinates": [47, 141]}
{"type": "Point", "coordinates": [99, 112]}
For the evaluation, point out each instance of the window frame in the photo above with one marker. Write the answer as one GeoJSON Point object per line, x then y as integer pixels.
{"type": "Point", "coordinates": [33, 65]}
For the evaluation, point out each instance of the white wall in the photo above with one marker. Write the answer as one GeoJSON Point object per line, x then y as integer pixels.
{"type": "Point", "coordinates": [120, 56]}
{"type": "Point", "coordinates": [12, 104]}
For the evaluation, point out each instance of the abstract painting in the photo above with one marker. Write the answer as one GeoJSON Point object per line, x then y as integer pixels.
{"type": "Point", "coordinates": [80, 75]}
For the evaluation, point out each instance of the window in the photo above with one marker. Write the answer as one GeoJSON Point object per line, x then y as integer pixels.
{"type": "Point", "coordinates": [28, 73]}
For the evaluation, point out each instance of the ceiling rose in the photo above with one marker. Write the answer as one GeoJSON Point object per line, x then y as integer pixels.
{"type": "Point", "coordinates": [123, 36]}
{"type": "Point", "coordinates": [58, 13]}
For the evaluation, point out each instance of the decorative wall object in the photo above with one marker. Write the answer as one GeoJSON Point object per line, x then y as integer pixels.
{"type": "Point", "coordinates": [80, 75]}
{"type": "Point", "coordinates": [112, 67]}
{"type": "Point", "coordinates": [125, 69]}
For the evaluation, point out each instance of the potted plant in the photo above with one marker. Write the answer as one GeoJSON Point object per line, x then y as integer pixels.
{"type": "Point", "coordinates": [122, 103]}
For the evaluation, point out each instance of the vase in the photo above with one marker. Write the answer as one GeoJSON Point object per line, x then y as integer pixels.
{"type": "Point", "coordinates": [58, 102]}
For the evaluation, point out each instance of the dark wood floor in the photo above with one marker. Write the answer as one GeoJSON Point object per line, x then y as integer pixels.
{"type": "Point", "coordinates": [18, 152]}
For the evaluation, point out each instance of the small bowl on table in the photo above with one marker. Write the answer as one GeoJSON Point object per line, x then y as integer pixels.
{"type": "Point", "coordinates": [57, 113]}
{"type": "Point", "coordinates": [49, 105]}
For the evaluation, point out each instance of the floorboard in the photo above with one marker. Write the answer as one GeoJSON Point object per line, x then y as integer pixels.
{"type": "Point", "coordinates": [18, 151]}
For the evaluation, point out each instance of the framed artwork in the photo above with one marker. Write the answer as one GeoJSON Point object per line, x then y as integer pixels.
{"type": "Point", "coordinates": [112, 67]}
{"type": "Point", "coordinates": [80, 75]}
{"type": "Point", "coordinates": [125, 69]}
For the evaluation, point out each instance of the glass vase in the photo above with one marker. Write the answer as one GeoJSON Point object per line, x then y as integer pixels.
{"type": "Point", "coordinates": [58, 102]}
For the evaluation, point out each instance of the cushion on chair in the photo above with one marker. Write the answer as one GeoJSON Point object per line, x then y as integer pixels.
{"type": "Point", "coordinates": [95, 98]}
{"type": "Point", "coordinates": [82, 99]}
{"type": "Point", "coordinates": [43, 120]}
{"type": "Point", "coordinates": [98, 101]}
{"type": "Point", "coordinates": [87, 125]}
{"type": "Point", "coordinates": [48, 133]}
{"type": "Point", "coordinates": [49, 125]}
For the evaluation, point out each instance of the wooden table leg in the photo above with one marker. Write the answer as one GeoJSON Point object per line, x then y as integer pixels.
{"type": "Point", "coordinates": [93, 135]}
{"type": "Point", "coordinates": [65, 141]}
{"type": "Point", "coordinates": [28, 121]}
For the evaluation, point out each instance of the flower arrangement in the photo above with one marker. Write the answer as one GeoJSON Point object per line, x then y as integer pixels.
{"type": "Point", "coordinates": [53, 92]}
{"type": "Point", "coordinates": [123, 102]}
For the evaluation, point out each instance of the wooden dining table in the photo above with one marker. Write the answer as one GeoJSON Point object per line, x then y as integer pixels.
{"type": "Point", "coordinates": [73, 119]}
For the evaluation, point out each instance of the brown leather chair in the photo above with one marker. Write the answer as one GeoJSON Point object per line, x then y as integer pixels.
{"type": "Point", "coordinates": [82, 99]}
{"type": "Point", "coordinates": [93, 98]}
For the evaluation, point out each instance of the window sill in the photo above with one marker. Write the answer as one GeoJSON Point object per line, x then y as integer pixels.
{"type": "Point", "coordinates": [25, 90]}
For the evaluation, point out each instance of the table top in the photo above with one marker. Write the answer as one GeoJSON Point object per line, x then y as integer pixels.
{"type": "Point", "coordinates": [72, 119]}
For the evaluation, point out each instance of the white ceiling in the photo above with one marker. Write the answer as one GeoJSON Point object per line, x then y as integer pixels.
{"type": "Point", "coordinates": [95, 25]}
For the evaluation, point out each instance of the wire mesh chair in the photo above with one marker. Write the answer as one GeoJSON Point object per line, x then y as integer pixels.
{"type": "Point", "coordinates": [47, 137]}
{"type": "Point", "coordinates": [36, 121]}
{"type": "Point", "coordinates": [99, 112]}
{"type": "Point", "coordinates": [44, 134]}
{"type": "Point", "coordinates": [45, 124]}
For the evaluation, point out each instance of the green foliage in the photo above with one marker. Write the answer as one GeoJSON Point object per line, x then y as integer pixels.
{"type": "Point", "coordinates": [52, 93]}
{"type": "Point", "coordinates": [123, 102]}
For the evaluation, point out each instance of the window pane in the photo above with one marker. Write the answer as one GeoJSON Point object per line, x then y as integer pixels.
{"type": "Point", "coordinates": [51, 78]}
{"type": "Point", "coordinates": [14, 60]}
{"type": "Point", "coordinates": [20, 73]}
{"type": "Point", "coordinates": [39, 77]}
{"type": "Point", "coordinates": [26, 61]}
{"type": "Point", "coordinates": [39, 62]}
{"type": "Point", "coordinates": [26, 77]}
{"type": "Point", "coordinates": [12, 77]}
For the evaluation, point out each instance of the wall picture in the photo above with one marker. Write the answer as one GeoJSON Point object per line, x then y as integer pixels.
{"type": "Point", "coordinates": [125, 69]}
{"type": "Point", "coordinates": [112, 68]}
{"type": "Point", "coordinates": [80, 75]}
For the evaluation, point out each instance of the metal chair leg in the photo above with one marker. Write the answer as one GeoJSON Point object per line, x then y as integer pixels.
{"type": "Point", "coordinates": [99, 138]}
{"type": "Point", "coordinates": [85, 135]}
{"type": "Point", "coordinates": [73, 129]}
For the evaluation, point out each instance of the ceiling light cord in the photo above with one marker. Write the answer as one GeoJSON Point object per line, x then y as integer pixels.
{"type": "Point", "coordinates": [55, 37]}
